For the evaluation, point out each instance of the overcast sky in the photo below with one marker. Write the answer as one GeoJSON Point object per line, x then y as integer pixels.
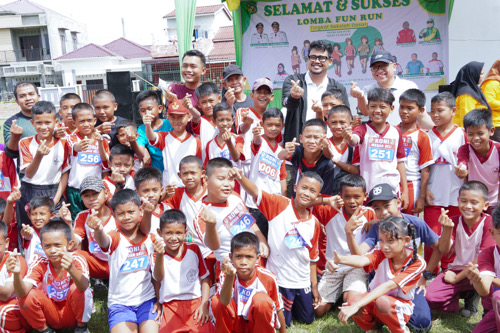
{"type": "Point", "coordinates": [143, 19]}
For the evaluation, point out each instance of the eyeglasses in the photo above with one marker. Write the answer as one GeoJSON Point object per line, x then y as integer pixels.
{"type": "Point", "coordinates": [314, 58]}
{"type": "Point", "coordinates": [382, 67]}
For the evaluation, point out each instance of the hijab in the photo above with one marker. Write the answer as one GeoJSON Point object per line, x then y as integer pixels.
{"type": "Point", "coordinates": [494, 72]}
{"type": "Point", "coordinates": [466, 82]}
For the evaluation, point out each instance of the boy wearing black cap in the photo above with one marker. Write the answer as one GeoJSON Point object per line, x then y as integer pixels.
{"type": "Point", "coordinates": [234, 83]}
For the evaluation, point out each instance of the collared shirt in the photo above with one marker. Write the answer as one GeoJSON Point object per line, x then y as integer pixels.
{"type": "Point", "coordinates": [314, 92]}
{"type": "Point", "coordinates": [398, 87]}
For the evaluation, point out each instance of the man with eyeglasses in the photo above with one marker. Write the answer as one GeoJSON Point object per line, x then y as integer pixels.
{"type": "Point", "coordinates": [383, 71]}
{"type": "Point", "coordinates": [301, 91]}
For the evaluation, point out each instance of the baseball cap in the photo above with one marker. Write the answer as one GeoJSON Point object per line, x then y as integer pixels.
{"type": "Point", "coordinates": [431, 20]}
{"type": "Point", "coordinates": [383, 56]}
{"type": "Point", "coordinates": [264, 81]}
{"type": "Point", "coordinates": [92, 183]}
{"type": "Point", "coordinates": [176, 107]}
{"type": "Point", "coordinates": [231, 70]}
{"type": "Point", "coordinates": [382, 192]}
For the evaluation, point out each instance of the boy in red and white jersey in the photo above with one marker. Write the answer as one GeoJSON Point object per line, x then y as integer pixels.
{"type": "Point", "coordinates": [293, 242]}
{"type": "Point", "coordinates": [381, 149]}
{"type": "Point", "coordinates": [89, 154]}
{"type": "Point", "coordinates": [121, 162]}
{"type": "Point", "coordinates": [248, 299]}
{"type": "Point", "coordinates": [65, 298]}
{"type": "Point", "coordinates": [131, 295]}
{"type": "Point", "coordinates": [44, 160]}
{"type": "Point", "coordinates": [418, 149]}
{"type": "Point", "coordinates": [67, 127]}
{"type": "Point", "coordinates": [181, 270]}
{"type": "Point", "coordinates": [479, 159]}
{"type": "Point", "coordinates": [225, 143]}
{"type": "Point", "coordinates": [174, 144]}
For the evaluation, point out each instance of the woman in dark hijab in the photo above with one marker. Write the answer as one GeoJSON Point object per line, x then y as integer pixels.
{"type": "Point", "coordinates": [467, 92]}
{"type": "Point", "coordinates": [491, 90]}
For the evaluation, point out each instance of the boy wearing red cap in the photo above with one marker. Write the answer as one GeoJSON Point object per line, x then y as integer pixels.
{"type": "Point", "coordinates": [176, 144]}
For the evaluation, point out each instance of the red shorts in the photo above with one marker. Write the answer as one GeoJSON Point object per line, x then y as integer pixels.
{"type": "Point", "coordinates": [178, 316]}
{"type": "Point", "coordinates": [98, 269]}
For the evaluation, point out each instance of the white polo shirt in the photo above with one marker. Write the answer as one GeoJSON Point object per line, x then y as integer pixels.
{"type": "Point", "coordinates": [314, 92]}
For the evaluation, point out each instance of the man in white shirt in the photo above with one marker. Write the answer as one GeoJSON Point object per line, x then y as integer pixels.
{"type": "Point", "coordinates": [277, 36]}
{"type": "Point", "coordinates": [259, 37]}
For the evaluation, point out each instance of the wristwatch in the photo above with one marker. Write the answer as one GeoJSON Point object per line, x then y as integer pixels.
{"type": "Point", "coordinates": [427, 275]}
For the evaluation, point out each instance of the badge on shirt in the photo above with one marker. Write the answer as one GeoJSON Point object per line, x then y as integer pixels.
{"type": "Point", "coordinates": [238, 220]}
{"type": "Point", "coordinates": [381, 149]}
{"type": "Point", "coordinates": [294, 240]}
{"type": "Point", "coordinates": [58, 290]}
{"type": "Point", "coordinates": [225, 154]}
{"type": "Point", "coordinates": [137, 260]}
{"type": "Point", "coordinates": [2, 181]}
{"type": "Point", "coordinates": [269, 165]}
{"type": "Point", "coordinates": [407, 141]}
{"type": "Point", "coordinates": [89, 158]}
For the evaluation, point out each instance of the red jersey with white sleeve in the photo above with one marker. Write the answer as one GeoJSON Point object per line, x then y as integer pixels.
{"type": "Point", "coordinates": [380, 154]}
{"type": "Point", "coordinates": [336, 239]}
{"type": "Point", "coordinates": [155, 217]}
{"type": "Point", "coordinates": [214, 149]}
{"type": "Point", "coordinates": [191, 207]}
{"type": "Point", "coordinates": [442, 173]}
{"type": "Point", "coordinates": [52, 165]}
{"type": "Point", "coordinates": [232, 218]}
{"type": "Point", "coordinates": [469, 242]}
{"type": "Point", "coordinates": [6, 276]}
{"type": "Point", "coordinates": [262, 281]}
{"type": "Point", "coordinates": [82, 231]}
{"type": "Point", "coordinates": [174, 150]}
{"type": "Point", "coordinates": [85, 163]}
{"type": "Point", "coordinates": [129, 269]}
{"type": "Point", "coordinates": [33, 248]}
{"type": "Point", "coordinates": [266, 169]}
{"type": "Point", "coordinates": [418, 152]}
{"type": "Point", "coordinates": [484, 169]}
{"type": "Point", "coordinates": [8, 175]}
{"type": "Point", "coordinates": [111, 185]}
{"type": "Point", "coordinates": [293, 241]}
{"type": "Point", "coordinates": [406, 280]}
{"type": "Point", "coordinates": [183, 275]}
{"type": "Point", "coordinates": [205, 131]}
{"type": "Point", "coordinates": [42, 272]}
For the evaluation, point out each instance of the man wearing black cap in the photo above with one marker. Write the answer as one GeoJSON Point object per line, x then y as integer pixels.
{"type": "Point", "coordinates": [259, 37]}
{"type": "Point", "coordinates": [383, 70]}
{"type": "Point", "coordinates": [234, 84]}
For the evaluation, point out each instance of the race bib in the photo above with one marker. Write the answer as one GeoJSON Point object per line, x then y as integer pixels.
{"type": "Point", "coordinates": [58, 293]}
{"type": "Point", "coordinates": [381, 149]}
{"type": "Point", "coordinates": [94, 247]}
{"type": "Point", "coordinates": [2, 181]}
{"type": "Point", "coordinates": [238, 220]}
{"type": "Point", "coordinates": [225, 154]}
{"type": "Point", "coordinates": [244, 293]}
{"type": "Point", "coordinates": [269, 165]}
{"type": "Point", "coordinates": [39, 250]}
{"type": "Point", "coordinates": [137, 260]}
{"type": "Point", "coordinates": [407, 141]}
{"type": "Point", "coordinates": [89, 158]}
{"type": "Point", "coordinates": [294, 240]}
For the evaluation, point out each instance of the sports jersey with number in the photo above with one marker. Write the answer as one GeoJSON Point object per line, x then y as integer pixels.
{"type": "Point", "coordinates": [380, 153]}
{"type": "Point", "coordinates": [129, 269]}
{"type": "Point", "coordinates": [8, 175]}
{"type": "Point", "coordinates": [183, 275]}
{"type": "Point", "coordinates": [483, 169]}
{"type": "Point", "coordinates": [442, 174]}
{"type": "Point", "coordinates": [85, 163]}
{"type": "Point", "coordinates": [263, 281]}
{"type": "Point", "coordinates": [82, 231]}
{"type": "Point", "coordinates": [293, 241]}
{"type": "Point", "coordinates": [336, 239]}
{"type": "Point", "coordinates": [33, 248]}
{"type": "Point", "coordinates": [418, 152]}
{"type": "Point", "coordinates": [111, 185]}
{"type": "Point", "coordinates": [155, 217]}
{"type": "Point", "coordinates": [248, 135]}
{"type": "Point", "coordinates": [406, 280]}
{"type": "Point", "coordinates": [191, 207]}
{"type": "Point", "coordinates": [213, 149]}
{"type": "Point", "coordinates": [6, 276]}
{"type": "Point", "coordinates": [51, 166]}
{"type": "Point", "coordinates": [42, 272]}
{"type": "Point", "coordinates": [232, 218]}
{"type": "Point", "coordinates": [266, 169]}
{"type": "Point", "coordinates": [205, 131]}
{"type": "Point", "coordinates": [174, 150]}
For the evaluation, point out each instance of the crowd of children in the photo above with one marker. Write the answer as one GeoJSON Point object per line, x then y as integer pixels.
{"type": "Point", "coordinates": [186, 223]}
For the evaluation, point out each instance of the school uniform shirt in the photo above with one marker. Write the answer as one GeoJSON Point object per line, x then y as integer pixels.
{"type": "Point", "coordinates": [324, 167]}
{"type": "Point", "coordinates": [52, 165]}
{"type": "Point", "coordinates": [406, 280]}
{"type": "Point", "coordinates": [82, 231]}
{"type": "Point", "coordinates": [418, 152]}
{"type": "Point", "coordinates": [8, 175]}
{"type": "Point", "coordinates": [336, 239]}
{"type": "Point", "coordinates": [191, 207]}
{"type": "Point", "coordinates": [232, 218]}
{"type": "Point", "coordinates": [293, 241]}
{"type": "Point", "coordinates": [379, 154]}
{"type": "Point", "coordinates": [42, 272]}
{"type": "Point", "coordinates": [183, 275]}
{"type": "Point", "coordinates": [205, 131]}
{"type": "Point", "coordinates": [6, 276]}
{"type": "Point", "coordinates": [266, 169]}
{"type": "Point", "coordinates": [489, 261]}
{"type": "Point", "coordinates": [214, 149]}
{"type": "Point", "coordinates": [467, 242]}
{"type": "Point", "coordinates": [111, 185]}
{"type": "Point", "coordinates": [33, 248]}
{"type": "Point", "coordinates": [85, 163]}
{"type": "Point", "coordinates": [243, 291]}
{"type": "Point", "coordinates": [129, 269]}
{"type": "Point", "coordinates": [442, 172]}
{"type": "Point", "coordinates": [155, 218]}
{"type": "Point", "coordinates": [483, 169]}
{"type": "Point", "coordinates": [174, 150]}
{"type": "Point", "coordinates": [155, 153]}
{"type": "Point", "coordinates": [423, 233]}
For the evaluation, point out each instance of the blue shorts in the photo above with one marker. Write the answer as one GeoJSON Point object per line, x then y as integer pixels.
{"type": "Point", "coordinates": [298, 305]}
{"type": "Point", "coordinates": [133, 314]}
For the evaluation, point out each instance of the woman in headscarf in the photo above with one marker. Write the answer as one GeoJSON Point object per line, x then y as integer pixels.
{"type": "Point", "coordinates": [491, 90]}
{"type": "Point", "coordinates": [466, 90]}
